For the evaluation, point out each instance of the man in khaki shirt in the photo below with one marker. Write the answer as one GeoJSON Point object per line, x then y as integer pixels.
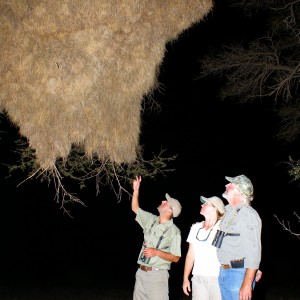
{"type": "Point", "coordinates": [161, 247]}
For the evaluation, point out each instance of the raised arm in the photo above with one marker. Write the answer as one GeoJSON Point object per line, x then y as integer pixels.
{"type": "Point", "coordinates": [135, 196]}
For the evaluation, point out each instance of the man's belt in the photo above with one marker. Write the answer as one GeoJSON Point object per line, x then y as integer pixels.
{"type": "Point", "coordinates": [235, 264]}
{"type": "Point", "coordinates": [226, 266]}
{"type": "Point", "coordinates": [146, 268]}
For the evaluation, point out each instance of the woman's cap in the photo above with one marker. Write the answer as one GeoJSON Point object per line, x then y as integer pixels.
{"type": "Point", "coordinates": [215, 201]}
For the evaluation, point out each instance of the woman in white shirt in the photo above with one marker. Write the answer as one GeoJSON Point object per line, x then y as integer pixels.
{"type": "Point", "coordinates": [202, 255]}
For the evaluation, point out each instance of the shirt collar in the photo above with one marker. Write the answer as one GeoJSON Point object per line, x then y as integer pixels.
{"type": "Point", "coordinates": [236, 207]}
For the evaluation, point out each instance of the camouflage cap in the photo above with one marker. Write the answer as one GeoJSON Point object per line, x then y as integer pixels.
{"type": "Point", "coordinates": [243, 183]}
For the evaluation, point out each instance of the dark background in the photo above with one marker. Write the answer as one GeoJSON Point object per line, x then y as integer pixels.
{"type": "Point", "coordinates": [98, 247]}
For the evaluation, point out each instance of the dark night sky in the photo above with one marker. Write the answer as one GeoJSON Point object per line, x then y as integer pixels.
{"type": "Point", "coordinates": [212, 139]}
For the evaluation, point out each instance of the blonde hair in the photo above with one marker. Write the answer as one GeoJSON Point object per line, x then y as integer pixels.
{"type": "Point", "coordinates": [219, 214]}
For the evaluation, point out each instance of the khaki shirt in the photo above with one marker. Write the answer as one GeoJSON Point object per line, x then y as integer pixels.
{"type": "Point", "coordinates": [153, 231]}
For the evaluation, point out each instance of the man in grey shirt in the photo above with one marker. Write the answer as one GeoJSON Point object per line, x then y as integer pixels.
{"type": "Point", "coordinates": [238, 241]}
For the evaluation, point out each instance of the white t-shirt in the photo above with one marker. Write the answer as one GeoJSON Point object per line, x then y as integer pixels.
{"type": "Point", "coordinates": [206, 261]}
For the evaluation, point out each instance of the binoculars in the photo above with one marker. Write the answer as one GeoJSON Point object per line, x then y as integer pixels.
{"type": "Point", "coordinates": [142, 257]}
{"type": "Point", "coordinates": [218, 239]}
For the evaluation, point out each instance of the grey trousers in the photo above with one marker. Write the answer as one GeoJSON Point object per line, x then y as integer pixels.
{"type": "Point", "coordinates": [151, 285]}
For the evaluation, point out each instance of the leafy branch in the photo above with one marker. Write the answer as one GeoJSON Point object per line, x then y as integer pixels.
{"type": "Point", "coordinates": [81, 169]}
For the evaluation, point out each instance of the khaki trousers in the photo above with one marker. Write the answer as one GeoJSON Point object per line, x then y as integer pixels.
{"type": "Point", "coordinates": [151, 285]}
{"type": "Point", "coordinates": [205, 288]}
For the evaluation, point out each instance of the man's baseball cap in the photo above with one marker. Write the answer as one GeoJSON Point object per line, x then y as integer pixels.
{"type": "Point", "coordinates": [243, 183]}
{"type": "Point", "coordinates": [215, 201]}
{"type": "Point", "coordinates": [176, 206]}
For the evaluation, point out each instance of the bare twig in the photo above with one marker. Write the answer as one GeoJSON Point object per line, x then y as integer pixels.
{"type": "Point", "coordinates": [286, 225]}
{"type": "Point", "coordinates": [62, 196]}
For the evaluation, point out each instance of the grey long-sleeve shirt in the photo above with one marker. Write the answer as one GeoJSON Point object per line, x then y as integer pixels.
{"type": "Point", "coordinates": [245, 221]}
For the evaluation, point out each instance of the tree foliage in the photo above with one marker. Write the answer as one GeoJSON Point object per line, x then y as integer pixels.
{"type": "Point", "coordinates": [80, 169]}
{"type": "Point", "coordinates": [266, 68]}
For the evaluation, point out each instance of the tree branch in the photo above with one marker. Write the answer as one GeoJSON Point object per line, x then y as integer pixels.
{"type": "Point", "coordinates": [286, 225]}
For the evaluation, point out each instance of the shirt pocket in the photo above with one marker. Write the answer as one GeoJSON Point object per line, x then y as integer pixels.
{"type": "Point", "coordinates": [233, 240]}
